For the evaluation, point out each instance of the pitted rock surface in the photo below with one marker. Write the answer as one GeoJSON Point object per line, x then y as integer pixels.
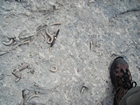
{"type": "Point", "coordinates": [113, 27]}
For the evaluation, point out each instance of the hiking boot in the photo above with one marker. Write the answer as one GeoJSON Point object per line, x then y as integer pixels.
{"type": "Point", "coordinates": [121, 78]}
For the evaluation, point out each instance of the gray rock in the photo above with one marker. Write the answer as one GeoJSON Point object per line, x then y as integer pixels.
{"type": "Point", "coordinates": [112, 26]}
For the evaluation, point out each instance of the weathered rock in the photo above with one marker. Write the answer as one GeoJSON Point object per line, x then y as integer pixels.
{"type": "Point", "coordinates": [112, 26]}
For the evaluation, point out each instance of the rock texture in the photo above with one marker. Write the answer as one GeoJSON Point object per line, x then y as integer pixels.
{"type": "Point", "coordinates": [92, 33]}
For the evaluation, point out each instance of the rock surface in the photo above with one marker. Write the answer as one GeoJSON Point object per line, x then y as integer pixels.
{"type": "Point", "coordinates": [92, 33]}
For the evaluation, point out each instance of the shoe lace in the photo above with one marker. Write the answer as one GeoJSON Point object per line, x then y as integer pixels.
{"type": "Point", "coordinates": [127, 83]}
